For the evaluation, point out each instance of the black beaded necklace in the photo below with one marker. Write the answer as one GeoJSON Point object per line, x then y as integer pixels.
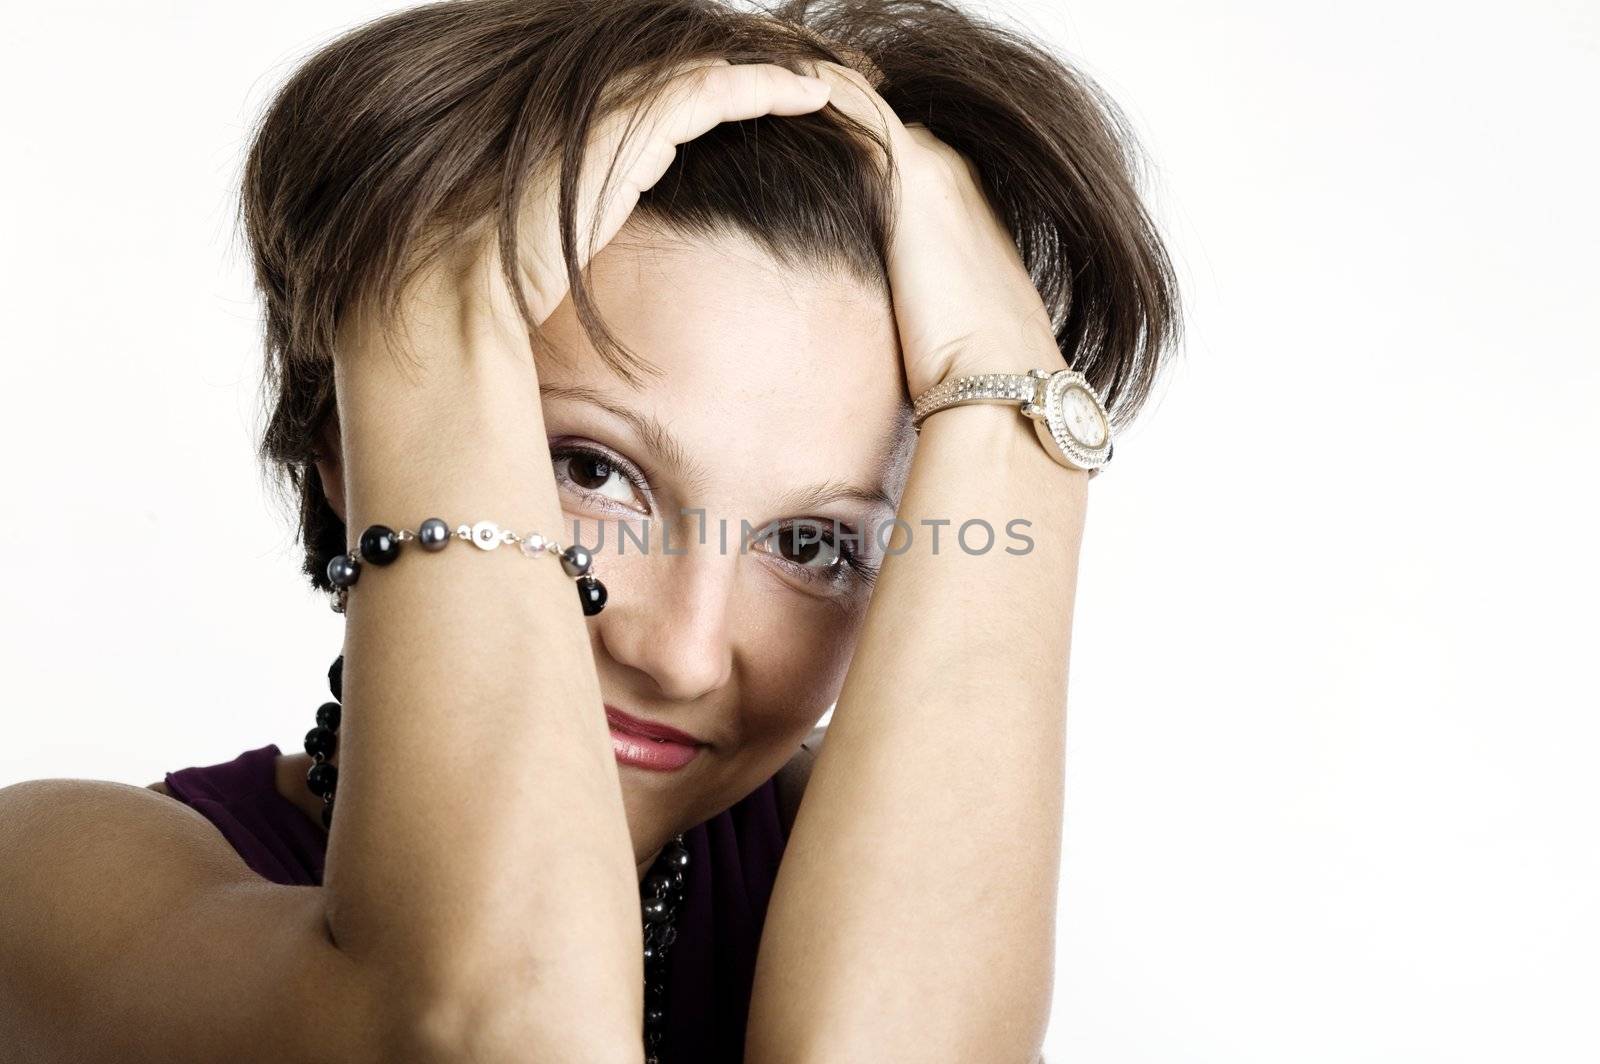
{"type": "Point", "coordinates": [660, 895]}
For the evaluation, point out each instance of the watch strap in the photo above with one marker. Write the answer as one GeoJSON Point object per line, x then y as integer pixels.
{"type": "Point", "coordinates": [1038, 393]}
{"type": "Point", "coordinates": [1019, 388]}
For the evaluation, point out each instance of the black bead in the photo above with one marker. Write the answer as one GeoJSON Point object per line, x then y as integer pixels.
{"type": "Point", "coordinates": [592, 593]}
{"type": "Point", "coordinates": [576, 560]}
{"type": "Point", "coordinates": [656, 911]}
{"type": "Point", "coordinates": [657, 884]}
{"type": "Point", "coordinates": [651, 956]}
{"type": "Point", "coordinates": [343, 570]}
{"type": "Point", "coordinates": [336, 678]}
{"type": "Point", "coordinates": [327, 815]}
{"type": "Point", "coordinates": [322, 778]}
{"type": "Point", "coordinates": [379, 545]}
{"type": "Point", "coordinates": [655, 1019]}
{"type": "Point", "coordinates": [676, 858]}
{"type": "Point", "coordinates": [321, 742]}
{"type": "Point", "coordinates": [433, 534]}
{"type": "Point", "coordinates": [655, 992]}
{"type": "Point", "coordinates": [328, 716]}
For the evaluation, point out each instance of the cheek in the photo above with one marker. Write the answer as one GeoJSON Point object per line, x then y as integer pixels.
{"type": "Point", "coordinates": [797, 677]}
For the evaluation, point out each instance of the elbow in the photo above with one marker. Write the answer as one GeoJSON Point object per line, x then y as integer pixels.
{"type": "Point", "coordinates": [467, 1028]}
{"type": "Point", "coordinates": [446, 1003]}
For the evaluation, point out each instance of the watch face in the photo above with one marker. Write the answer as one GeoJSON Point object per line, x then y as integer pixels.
{"type": "Point", "coordinates": [1081, 413]}
{"type": "Point", "coordinates": [1075, 422]}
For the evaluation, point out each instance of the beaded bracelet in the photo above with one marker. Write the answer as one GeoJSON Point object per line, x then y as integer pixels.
{"type": "Point", "coordinates": [380, 545]}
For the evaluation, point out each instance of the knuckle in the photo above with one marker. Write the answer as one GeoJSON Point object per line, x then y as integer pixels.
{"type": "Point", "coordinates": [937, 162]}
{"type": "Point", "coordinates": [705, 74]}
{"type": "Point", "coordinates": [767, 79]}
{"type": "Point", "coordinates": [954, 163]}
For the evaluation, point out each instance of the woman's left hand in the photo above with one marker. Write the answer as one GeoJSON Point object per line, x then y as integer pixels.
{"type": "Point", "coordinates": [963, 300]}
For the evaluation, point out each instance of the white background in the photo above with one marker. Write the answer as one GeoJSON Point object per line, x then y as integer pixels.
{"type": "Point", "coordinates": [1331, 786]}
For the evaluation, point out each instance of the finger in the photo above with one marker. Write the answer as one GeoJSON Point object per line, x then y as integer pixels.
{"type": "Point", "coordinates": [857, 98]}
{"type": "Point", "coordinates": [699, 97]}
{"type": "Point", "coordinates": [706, 96]}
{"type": "Point", "coordinates": [625, 86]}
{"type": "Point", "coordinates": [709, 96]}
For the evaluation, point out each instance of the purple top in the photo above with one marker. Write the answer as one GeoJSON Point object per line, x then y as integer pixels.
{"type": "Point", "coordinates": [733, 864]}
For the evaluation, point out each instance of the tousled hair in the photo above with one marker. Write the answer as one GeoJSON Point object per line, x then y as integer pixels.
{"type": "Point", "coordinates": [412, 132]}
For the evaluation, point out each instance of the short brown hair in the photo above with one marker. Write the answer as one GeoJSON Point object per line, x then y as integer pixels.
{"type": "Point", "coordinates": [419, 125]}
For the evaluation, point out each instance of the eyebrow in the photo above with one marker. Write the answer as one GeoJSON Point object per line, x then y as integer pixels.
{"type": "Point", "coordinates": [654, 435]}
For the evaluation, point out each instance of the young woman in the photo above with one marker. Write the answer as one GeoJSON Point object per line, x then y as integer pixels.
{"type": "Point", "coordinates": [617, 297]}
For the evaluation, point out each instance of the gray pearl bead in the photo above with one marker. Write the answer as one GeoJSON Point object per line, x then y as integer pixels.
{"type": "Point", "coordinates": [576, 560]}
{"type": "Point", "coordinates": [342, 570]}
{"type": "Point", "coordinates": [434, 534]}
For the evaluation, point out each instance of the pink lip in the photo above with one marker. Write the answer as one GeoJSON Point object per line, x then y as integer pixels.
{"type": "Point", "coordinates": [620, 721]}
{"type": "Point", "coordinates": [648, 745]}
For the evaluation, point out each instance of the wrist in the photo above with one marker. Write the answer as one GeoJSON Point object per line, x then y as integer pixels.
{"type": "Point", "coordinates": [432, 377]}
{"type": "Point", "coordinates": [994, 430]}
{"type": "Point", "coordinates": [449, 351]}
{"type": "Point", "coordinates": [988, 356]}
{"type": "Point", "coordinates": [1060, 408]}
{"type": "Point", "coordinates": [453, 429]}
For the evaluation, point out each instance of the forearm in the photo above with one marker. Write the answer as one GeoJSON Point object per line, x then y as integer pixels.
{"type": "Point", "coordinates": [480, 842]}
{"type": "Point", "coordinates": [914, 912]}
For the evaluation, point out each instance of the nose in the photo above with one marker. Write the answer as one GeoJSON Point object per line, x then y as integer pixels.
{"type": "Point", "coordinates": [668, 618]}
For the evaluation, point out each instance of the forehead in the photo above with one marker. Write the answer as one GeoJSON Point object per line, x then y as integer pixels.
{"type": "Point", "coordinates": [764, 367]}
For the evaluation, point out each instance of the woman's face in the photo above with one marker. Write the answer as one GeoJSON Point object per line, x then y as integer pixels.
{"type": "Point", "coordinates": [778, 415]}
{"type": "Point", "coordinates": [780, 399]}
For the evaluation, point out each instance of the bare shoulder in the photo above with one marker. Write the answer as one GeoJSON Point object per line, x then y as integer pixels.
{"type": "Point", "coordinates": [28, 803]}
{"type": "Point", "coordinates": [795, 774]}
{"type": "Point", "coordinates": [90, 860]}
{"type": "Point", "coordinates": [132, 930]}
{"type": "Point", "coordinates": [81, 827]}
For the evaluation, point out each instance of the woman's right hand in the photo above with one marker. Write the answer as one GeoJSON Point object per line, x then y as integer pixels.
{"type": "Point", "coordinates": [698, 96]}
{"type": "Point", "coordinates": [463, 305]}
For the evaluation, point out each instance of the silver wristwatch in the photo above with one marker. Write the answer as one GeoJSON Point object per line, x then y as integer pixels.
{"type": "Point", "coordinates": [1071, 421]}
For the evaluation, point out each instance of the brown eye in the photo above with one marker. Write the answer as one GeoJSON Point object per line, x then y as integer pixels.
{"type": "Point", "coordinates": [823, 554]}
{"type": "Point", "coordinates": [804, 545]}
{"type": "Point", "coordinates": [590, 472]}
{"type": "Point", "coordinates": [597, 477]}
